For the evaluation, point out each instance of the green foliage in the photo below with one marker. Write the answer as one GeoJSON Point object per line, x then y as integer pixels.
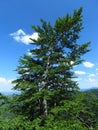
{"type": "Point", "coordinates": [78, 113]}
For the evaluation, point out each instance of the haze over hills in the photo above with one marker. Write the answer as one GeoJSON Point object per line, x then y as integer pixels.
{"type": "Point", "coordinates": [9, 93]}
{"type": "Point", "coordinates": [87, 89]}
{"type": "Point", "coordinates": [92, 89]}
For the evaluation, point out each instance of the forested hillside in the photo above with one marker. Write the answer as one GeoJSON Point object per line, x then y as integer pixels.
{"type": "Point", "coordinates": [49, 97]}
{"type": "Point", "coordinates": [94, 91]}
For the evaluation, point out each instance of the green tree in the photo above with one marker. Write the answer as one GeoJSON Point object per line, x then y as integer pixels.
{"type": "Point", "coordinates": [46, 76]}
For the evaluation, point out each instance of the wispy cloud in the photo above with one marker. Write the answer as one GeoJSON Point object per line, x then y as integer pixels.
{"type": "Point", "coordinates": [97, 69]}
{"type": "Point", "coordinates": [88, 64]}
{"type": "Point", "coordinates": [80, 72]}
{"type": "Point", "coordinates": [91, 80]}
{"type": "Point", "coordinates": [97, 74]}
{"type": "Point", "coordinates": [78, 79]}
{"type": "Point", "coordinates": [92, 75]}
{"type": "Point", "coordinates": [21, 36]}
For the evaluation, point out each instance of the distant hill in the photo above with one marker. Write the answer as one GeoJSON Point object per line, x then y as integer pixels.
{"type": "Point", "coordinates": [10, 93]}
{"type": "Point", "coordinates": [93, 90]}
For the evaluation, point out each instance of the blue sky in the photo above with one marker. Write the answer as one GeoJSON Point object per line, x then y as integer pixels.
{"type": "Point", "coordinates": [16, 19]}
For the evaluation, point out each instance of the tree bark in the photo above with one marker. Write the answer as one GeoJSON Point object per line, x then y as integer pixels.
{"type": "Point", "coordinates": [45, 109]}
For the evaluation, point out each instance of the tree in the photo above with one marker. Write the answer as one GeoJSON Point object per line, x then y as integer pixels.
{"type": "Point", "coordinates": [46, 76]}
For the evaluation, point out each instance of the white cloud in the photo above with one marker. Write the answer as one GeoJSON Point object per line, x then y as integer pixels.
{"type": "Point", "coordinates": [97, 69]}
{"type": "Point", "coordinates": [2, 80]}
{"type": "Point", "coordinates": [5, 85]}
{"type": "Point", "coordinates": [78, 79]}
{"type": "Point", "coordinates": [21, 36]}
{"type": "Point", "coordinates": [88, 83]}
{"type": "Point", "coordinates": [18, 32]}
{"type": "Point", "coordinates": [88, 64]}
{"type": "Point", "coordinates": [80, 72]}
{"type": "Point", "coordinates": [90, 79]}
{"type": "Point", "coordinates": [92, 75]}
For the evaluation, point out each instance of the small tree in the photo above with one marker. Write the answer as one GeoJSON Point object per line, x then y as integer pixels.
{"type": "Point", "coordinates": [46, 76]}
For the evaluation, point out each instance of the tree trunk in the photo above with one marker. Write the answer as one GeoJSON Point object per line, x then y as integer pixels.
{"type": "Point", "coordinates": [44, 84]}
{"type": "Point", "coordinates": [45, 109]}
